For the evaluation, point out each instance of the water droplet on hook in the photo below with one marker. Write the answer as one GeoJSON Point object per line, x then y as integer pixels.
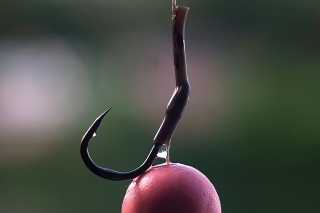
{"type": "Point", "coordinates": [162, 152]}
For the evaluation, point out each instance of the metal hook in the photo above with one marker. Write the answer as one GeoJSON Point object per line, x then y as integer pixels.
{"type": "Point", "coordinates": [173, 114]}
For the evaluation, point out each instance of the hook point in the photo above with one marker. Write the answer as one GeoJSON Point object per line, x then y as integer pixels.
{"type": "Point", "coordinates": [92, 131]}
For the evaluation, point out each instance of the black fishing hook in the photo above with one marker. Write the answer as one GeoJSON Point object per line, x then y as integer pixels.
{"type": "Point", "coordinates": [173, 114]}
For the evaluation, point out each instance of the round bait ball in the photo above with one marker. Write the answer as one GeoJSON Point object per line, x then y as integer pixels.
{"type": "Point", "coordinates": [171, 188]}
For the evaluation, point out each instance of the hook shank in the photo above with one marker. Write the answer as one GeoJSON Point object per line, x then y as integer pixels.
{"type": "Point", "coordinates": [181, 93]}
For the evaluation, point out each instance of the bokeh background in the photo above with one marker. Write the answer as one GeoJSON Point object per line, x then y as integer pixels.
{"type": "Point", "coordinates": [252, 124]}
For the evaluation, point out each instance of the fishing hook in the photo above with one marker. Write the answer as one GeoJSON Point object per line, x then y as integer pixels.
{"type": "Point", "coordinates": [173, 113]}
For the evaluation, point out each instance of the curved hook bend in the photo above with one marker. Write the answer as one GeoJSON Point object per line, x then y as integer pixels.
{"type": "Point", "coordinates": [110, 173]}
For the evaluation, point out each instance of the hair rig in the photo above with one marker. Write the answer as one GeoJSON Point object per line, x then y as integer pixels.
{"type": "Point", "coordinates": [173, 113]}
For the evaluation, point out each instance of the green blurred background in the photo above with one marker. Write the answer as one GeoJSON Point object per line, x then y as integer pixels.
{"type": "Point", "coordinates": [251, 125]}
